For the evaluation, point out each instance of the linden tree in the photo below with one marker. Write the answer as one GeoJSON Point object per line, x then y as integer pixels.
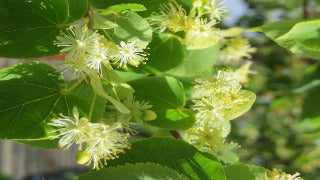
{"type": "Point", "coordinates": [132, 65]}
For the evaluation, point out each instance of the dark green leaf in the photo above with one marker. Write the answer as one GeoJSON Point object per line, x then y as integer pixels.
{"type": "Point", "coordinates": [166, 95]}
{"type": "Point", "coordinates": [32, 94]}
{"type": "Point", "coordinates": [29, 27]}
{"type": "Point", "coordinates": [166, 52]}
{"type": "Point", "coordinates": [138, 171]}
{"type": "Point", "coordinates": [175, 154]}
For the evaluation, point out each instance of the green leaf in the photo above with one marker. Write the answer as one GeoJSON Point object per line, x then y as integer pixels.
{"type": "Point", "coordinates": [152, 5]}
{"type": "Point", "coordinates": [31, 95]}
{"type": "Point", "coordinates": [133, 27]}
{"type": "Point", "coordinates": [138, 171]}
{"type": "Point", "coordinates": [238, 172]}
{"type": "Point", "coordinates": [197, 62]}
{"type": "Point", "coordinates": [166, 52]}
{"type": "Point", "coordinates": [29, 27]}
{"type": "Point", "coordinates": [175, 154]}
{"type": "Point", "coordinates": [121, 7]}
{"type": "Point", "coordinates": [300, 37]}
{"type": "Point", "coordinates": [166, 95]}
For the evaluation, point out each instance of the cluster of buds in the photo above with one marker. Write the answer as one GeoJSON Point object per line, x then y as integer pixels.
{"type": "Point", "coordinates": [198, 24]}
{"type": "Point", "coordinates": [139, 112]}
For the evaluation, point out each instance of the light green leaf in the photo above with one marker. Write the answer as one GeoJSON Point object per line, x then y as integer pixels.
{"type": "Point", "coordinates": [121, 7]}
{"type": "Point", "coordinates": [300, 37]}
{"type": "Point", "coordinates": [29, 27]}
{"type": "Point", "coordinates": [138, 171]}
{"type": "Point", "coordinates": [242, 107]}
{"type": "Point", "coordinates": [197, 62]}
{"type": "Point", "coordinates": [133, 27]}
{"type": "Point", "coordinates": [166, 95]}
{"type": "Point", "coordinates": [175, 154]}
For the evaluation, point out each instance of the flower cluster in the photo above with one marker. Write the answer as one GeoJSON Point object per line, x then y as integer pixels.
{"type": "Point", "coordinates": [99, 142]}
{"type": "Point", "coordinates": [88, 51]}
{"type": "Point", "coordinates": [217, 100]}
{"type": "Point", "coordinates": [236, 49]}
{"type": "Point", "coordinates": [277, 174]}
{"type": "Point", "coordinates": [198, 28]}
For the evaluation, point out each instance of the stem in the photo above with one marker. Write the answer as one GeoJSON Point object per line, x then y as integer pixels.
{"type": "Point", "coordinates": [90, 18]}
{"type": "Point", "coordinates": [175, 134]}
{"type": "Point", "coordinates": [92, 105]}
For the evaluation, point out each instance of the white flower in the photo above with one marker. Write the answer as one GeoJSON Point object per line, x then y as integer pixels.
{"type": "Point", "coordinates": [242, 73]}
{"type": "Point", "coordinates": [129, 53]}
{"type": "Point", "coordinates": [277, 174]}
{"type": "Point", "coordinates": [202, 34]}
{"type": "Point", "coordinates": [172, 16]}
{"type": "Point", "coordinates": [216, 9]}
{"type": "Point", "coordinates": [77, 41]}
{"type": "Point", "coordinates": [209, 109]}
{"type": "Point", "coordinates": [224, 82]}
{"type": "Point", "coordinates": [100, 142]}
{"type": "Point", "coordinates": [106, 143]}
{"type": "Point", "coordinates": [70, 130]}
{"type": "Point", "coordinates": [96, 60]}
{"type": "Point", "coordinates": [236, 49]}
{"type": "Point", "coordinates": [77, 67]}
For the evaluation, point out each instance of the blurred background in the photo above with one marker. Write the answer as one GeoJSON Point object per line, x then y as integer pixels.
{"type": "Point", "coordinates": [282, 129]}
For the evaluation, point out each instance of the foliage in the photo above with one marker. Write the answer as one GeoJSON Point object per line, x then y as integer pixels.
{"type": "Point", "coordinates": [130, 65]}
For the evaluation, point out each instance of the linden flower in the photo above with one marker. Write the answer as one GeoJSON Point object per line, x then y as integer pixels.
{"type": "Point", "coordinates": [225, 152]}
{"type": "Point", "coordinates": [277, 174]}
{"type": "Point", "coordinates": [237, 49]}
{"type": "Point", "coordinates": [76, 66]}
{"type": "Point", "coordinates": [202, 34]}
{"type": "Point", "coordinates": [216, 9]}
{"type": "Point", "coordinates": [242, 73]}
{"type": "Point", "coordinates": [172, 16]}
{"type": "Point", "coordinates": [210, 109]}
{"type": "Point", "coordinates": [106, 143]}
{"type": "Point", "coordinates": [225, 81]}
{"type": "Point", "coordinates": [100, 142]}
{"type": "Point", "coordinates": [70, 130]}
{"type": "Point", "coordinates": [204, 137]}
{"type": "Point", "coordinates": [101, 57]}
{"type": "Point", "coordinates": [129, 53]}
{"type": "Point", "coordinates": [77, 41]}
{"type": "Point", "coordinates": [211, 140]}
